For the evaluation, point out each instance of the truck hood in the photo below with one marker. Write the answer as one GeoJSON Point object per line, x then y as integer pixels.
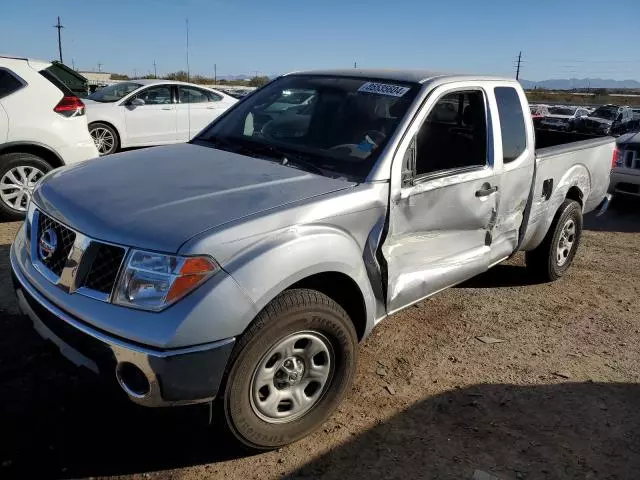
{"type": "Point", "coordinates": [158, 198]}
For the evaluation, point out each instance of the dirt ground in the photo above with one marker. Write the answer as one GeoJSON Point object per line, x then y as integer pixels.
{"type": "Point", "coordinates": [559, 398]}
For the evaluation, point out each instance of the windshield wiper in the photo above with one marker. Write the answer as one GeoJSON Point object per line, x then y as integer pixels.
{"type": "Point", "coordinates": [284, 156]}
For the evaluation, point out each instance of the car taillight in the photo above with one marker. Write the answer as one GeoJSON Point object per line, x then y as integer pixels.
{"type": "Point", "coordinates": [70, 106]}
{"type": "Point", "coordinates": [616, 157]}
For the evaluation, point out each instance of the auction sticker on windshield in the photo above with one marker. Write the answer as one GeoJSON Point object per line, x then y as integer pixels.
{"type": "Point", "coordinates": [384, 89]}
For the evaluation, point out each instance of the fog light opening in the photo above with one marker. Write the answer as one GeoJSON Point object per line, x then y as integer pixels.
{"type": "Point", "coordinates": [132, 380]}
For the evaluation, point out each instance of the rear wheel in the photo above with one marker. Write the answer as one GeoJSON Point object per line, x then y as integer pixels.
{"type": "Point", "coordinates": [290, 370]}
{"type": "Point", "coordinates": [555, 254]}
{"type": "Point", "coordinates": [19, 173]}
{"type": "Point", "coordinates": [105, 138]}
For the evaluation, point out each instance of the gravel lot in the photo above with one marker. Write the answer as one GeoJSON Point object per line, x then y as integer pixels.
{"type": "Point", "coordinates": [558, 398]}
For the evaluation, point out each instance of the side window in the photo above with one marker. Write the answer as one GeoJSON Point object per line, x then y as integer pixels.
{"type": "Point", "coordinates": [454, 134]}
{"type": "Point", "coordinates": [192, 95]}
{"type": "Point", "coordinates": [160, 95]}
{"type": "Point", "coordinates": [213, 97]}
{"type": "Point", "coordinates": [514, 133]}
{"type": "Point", "coordinates": [8, 83]}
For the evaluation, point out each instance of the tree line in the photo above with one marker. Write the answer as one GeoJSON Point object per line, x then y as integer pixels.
{"type": "Point", "coordinates": [182, 76]}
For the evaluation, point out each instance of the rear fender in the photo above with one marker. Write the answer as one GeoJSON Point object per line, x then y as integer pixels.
{"type": "Point", "coordinates": [543, 211]}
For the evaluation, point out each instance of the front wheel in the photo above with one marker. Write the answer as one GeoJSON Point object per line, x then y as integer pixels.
{"type": "Point", "coordinates": [290, 370]}
{"type": "Point", "coordinates": [553, 257]}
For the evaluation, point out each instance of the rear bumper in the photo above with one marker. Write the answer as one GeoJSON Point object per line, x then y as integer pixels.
{"type": "Point", "coordinates": [150, 377]}
{"type": "Point", "coordinates": [626, 182]}
{"type": "Point", "coordinates": [78, 152]}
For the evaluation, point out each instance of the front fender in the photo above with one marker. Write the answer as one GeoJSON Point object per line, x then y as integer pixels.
{"type": "Point", "coordinates": [272, 265]}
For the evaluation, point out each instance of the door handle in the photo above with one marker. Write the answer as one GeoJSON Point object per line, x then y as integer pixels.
{"type": "Point", "coordinates": [211, 108]}
{"type": "Point", "coordinates": [486, 190]}
{"type": "Point", "coordinates": [167, 108]}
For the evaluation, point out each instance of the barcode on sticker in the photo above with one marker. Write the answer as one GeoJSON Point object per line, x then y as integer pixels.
{"type": "Point", "coordinates": [384, 89]}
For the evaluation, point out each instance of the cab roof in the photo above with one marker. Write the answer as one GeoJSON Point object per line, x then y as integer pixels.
{"type": "Point", "coordinates": [414, 76]}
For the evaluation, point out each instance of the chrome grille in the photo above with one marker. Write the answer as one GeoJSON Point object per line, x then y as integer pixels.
{"type": "Point", "coordinates": [630, 159]}
{"type": "Point", "coordinates": [71, 260]}
{"type": "Point", "coordinates": [104, 268]}
{"type": "Point", "coordinates": [65, 237]}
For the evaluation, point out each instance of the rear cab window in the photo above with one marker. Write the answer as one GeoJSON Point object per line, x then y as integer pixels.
{"type": "Point", "coordinates": [9, 82]}
{"type": "Point", "coordinates": [512, 127]}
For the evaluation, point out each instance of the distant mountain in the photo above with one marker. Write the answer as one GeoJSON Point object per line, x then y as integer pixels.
{"type": "Point", "coordinates": [568, 84]}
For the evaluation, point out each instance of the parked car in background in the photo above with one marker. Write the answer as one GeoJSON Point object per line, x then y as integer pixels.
{"type": "Point", "coordinates": [538, 112]}
{"type": "Point", "coordinates": [562, 117]}
{"type": "Point", "coordinates": [42, 126]}
{"type": "Point", "coordinates": [606, 120]}
{"type": "Point", "coordinates": [141, 113]}
{"type": "Point", "coordinates": [625, 176]}
{"type": "Point", "coordinates": [245, 266]}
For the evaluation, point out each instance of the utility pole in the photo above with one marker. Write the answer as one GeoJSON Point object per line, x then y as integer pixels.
{"type": "Point", "coordinates": [73, 64]}
{"type": "Point", "coordinates": [155, 71]}
{"type": "Point", "coordinates": [215, 73]}
{"type": "Point", "coordinates": [519, 62]}
{"type": "Point", "coordinates": [186, 20]}
{"type": "Point", "coordinates": [59, 26]}
{"type": "Point", "coordinates": [135, 73]}
{"type": "Point", "coordinates": [355, 64]}
{"type": "Point", "coordinates": [99, 67]}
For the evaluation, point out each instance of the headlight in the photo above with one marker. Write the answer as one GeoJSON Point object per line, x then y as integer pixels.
{"type": "Point", "coordinates": [153, 281]}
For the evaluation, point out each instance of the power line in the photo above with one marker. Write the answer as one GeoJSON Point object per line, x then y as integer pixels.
{"type": "Point", "coordinates": [59, 26]}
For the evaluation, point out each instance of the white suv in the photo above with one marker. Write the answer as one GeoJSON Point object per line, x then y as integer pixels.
{"type": "Point", "coordinates": [42, 126]}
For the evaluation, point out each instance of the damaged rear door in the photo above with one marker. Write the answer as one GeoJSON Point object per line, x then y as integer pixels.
{"type": "Point", "coordinates": [443, 201]}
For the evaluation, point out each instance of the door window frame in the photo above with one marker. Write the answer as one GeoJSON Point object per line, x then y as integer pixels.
{"type": "Point", "coordinates": [172, 88]}
{"type": "Point", "coordinates": [400, 189]}
{"type": "Point", "coordinates": [423, 177]}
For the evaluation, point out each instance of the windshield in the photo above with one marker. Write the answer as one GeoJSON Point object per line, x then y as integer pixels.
{"type": "Point", "coordinates": [113, 93]}
{"type": "Point", "coordinates": [334, 126]}
{"type": "Point", "coordinates": [562, 111]}
{"type": "Point", "coordinates": [607, 113]}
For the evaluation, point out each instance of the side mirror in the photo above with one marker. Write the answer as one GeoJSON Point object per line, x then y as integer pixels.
{"type": "Point", "coordinates": [137, 102]}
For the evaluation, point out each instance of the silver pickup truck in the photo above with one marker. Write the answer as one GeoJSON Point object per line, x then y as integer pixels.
{"type": "Point", "coordinates": [245, 266]}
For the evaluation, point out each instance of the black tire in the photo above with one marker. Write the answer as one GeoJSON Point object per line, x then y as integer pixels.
{"type": "Point", "coordinates": [543, 262]}
{"type": "Point", "coordinates": [291, 312]}
{"type": "Point", "coordinates": [104, 149]}
{"type": "Point", "coordinates": [12, 161]}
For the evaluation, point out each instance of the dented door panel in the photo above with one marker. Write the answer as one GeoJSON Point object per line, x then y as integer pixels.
{"type": "Point", "coordinates": [438, 236]}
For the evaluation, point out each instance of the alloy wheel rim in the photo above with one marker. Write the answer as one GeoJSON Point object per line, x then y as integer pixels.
{"type": "Point", "coordinates": [103, 138]}
{"type": "Point", "coordinates": [292, 377]}
{"type": "Point", "coordinates": [17, 185]}
{"type": "Point", "coordinates": [566, 242]}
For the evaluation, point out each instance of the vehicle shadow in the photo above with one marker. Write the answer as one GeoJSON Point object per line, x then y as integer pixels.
{"type": "Point", "coordinates": [623, 215]}
{"type": "Point", "coordinates": [60, 421]}
{"type": "Point", "coordinates": [567, 430]}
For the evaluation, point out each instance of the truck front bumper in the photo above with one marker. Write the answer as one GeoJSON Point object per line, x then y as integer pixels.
{"type": "Point", "coordinates": [149, 376]}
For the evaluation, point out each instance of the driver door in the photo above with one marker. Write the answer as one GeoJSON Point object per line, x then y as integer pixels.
{"type": "Point", "coordinates": [443, 197]}
{"type": "Point", "coordinates": [155, 121]}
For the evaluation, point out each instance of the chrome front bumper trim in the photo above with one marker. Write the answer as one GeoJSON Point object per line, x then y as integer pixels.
{"type": "Point", "coordinates": [149, 361]}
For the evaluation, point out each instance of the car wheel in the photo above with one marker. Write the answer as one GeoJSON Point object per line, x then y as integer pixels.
{"type": "Point", "coordinates": [553, 257]}
{"type": "Point", "coordinates": [19, 173]}
{"type": "Point", "coordinates": [105, 138]}
{"type": "Point", "coordinates": [290, 370]}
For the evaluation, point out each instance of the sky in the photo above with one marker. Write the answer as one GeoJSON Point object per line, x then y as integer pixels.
{"type": "Point", "coordinates": [558, 38]}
